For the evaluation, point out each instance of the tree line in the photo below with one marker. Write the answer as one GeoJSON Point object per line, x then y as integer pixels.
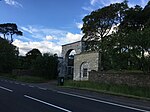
{"type": "Point", "coordinates": [121, 34]}
{"type": "Point", "coordinates": [42, 65]}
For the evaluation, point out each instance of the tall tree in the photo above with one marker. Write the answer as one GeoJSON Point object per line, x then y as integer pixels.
{"type": "Point", "coordinates": [98, 25]}
{"type": "Point", "coordinates": [132, 38]}
{"type": "Point", "coordinates": [46, 66]}
{"type": "Point", "coordinates": [33, 54]}
{"type": "Point", "coordinates": [8, 56]}
{"type": "Point", "coordinates": [31, 57]}
{"type": "Point", "coordinates": [3, 30]}
{"type": "Point", "coordinates": [146, 15]}
{"type": "Point", "coordinates": [130, 42]}
{"type": "Point", "coordinates": [9, 29]}
{"type": "Point", "coordinates": [133, 20]}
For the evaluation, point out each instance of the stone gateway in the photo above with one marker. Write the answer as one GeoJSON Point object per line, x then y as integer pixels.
{"type": "Point", "coordinates": [83, 62]}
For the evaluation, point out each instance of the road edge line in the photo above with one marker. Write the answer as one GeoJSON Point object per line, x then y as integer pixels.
{"type": "Point", "coordinates": [6, 89]}
{"type": "Point", "coordinates": [102, 101]}
{"type": "Point", "coordinates": [35, 99]}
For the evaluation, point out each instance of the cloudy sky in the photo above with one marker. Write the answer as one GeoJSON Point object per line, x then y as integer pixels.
{"type": "Point", "coordinates": [48, 24]}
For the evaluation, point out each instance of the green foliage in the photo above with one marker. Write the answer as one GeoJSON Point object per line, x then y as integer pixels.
{"type": "Point", "coordinates": [111, 88]}
{"type": "Point", "coordinates": [24, 78]}
{"type": "Point", "coordinates": [46, 66]}
{"type": "Point", "coordinates": [97, 26]}
{"type": "Point", "coordinates": [30, 79]}
{"type": "Point", "coordinates": [31, 57]}
{"type": "Point", "coordinates": [33, 54]}
{"type": "Point", "coordinates": [8, 56]}
{"type": "Point", "coordinates": [8, 52]}
{"type": "Point", "coordinates": [128, 46]}
{"type": "Point", "coordinates": [9, 29]}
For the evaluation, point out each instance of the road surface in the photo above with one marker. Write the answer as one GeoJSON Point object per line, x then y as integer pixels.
{"type": "Point", "coordinates": [22, 97]}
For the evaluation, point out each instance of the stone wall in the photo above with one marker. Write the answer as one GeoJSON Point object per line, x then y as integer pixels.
{"type": "Point", "coordinates": [67, 48]}
{"type": "Point", "coordinates": [89, 60]}
{"type": "Point", "coordinates": [140, 80]}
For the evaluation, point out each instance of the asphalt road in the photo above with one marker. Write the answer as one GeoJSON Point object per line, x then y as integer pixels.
{"type": "Point", "coordinates": [22, 97]}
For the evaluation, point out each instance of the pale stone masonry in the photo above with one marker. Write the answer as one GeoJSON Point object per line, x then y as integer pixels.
{"type": "Point", "coordinates": [130, 79]}
{"type": "Point", "coordinates": [67, 48]}
{"type": "Point", "coordinates": [85, 62]}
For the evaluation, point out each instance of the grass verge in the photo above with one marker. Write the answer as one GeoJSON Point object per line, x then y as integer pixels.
{"type": "Point", "coordinates": [125, 90]}
{"type": "Point", "coordinates": [31, 79]}
{"type": "Point", "coordinates": [25, 78]}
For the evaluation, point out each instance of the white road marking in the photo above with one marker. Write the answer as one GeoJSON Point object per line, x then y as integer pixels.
{"type": "Point", "coordinates": [6, 89]}
{"type": "Point", "coordinates": [16, 83]}
{"type": "Point", "coordinates": [31, 86]}
{"type": "Point", "coordinates": [42, 88]}
{"type": "Point", "coordinates": [101, 101]}
{"type": "Point", "coordinates": [35, 99]}
{"type": "Point", "coordinates": [23, 84]}
{"type": "Point", "coordinates": [10, 82]}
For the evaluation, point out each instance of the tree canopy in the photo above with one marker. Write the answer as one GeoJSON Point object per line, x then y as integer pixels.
{"type": "Point", "coordinates": [99, 23]}
{"type": "Point", "coordinates": [119, 32]}
{"type": "Point", "coordinates": [44, 66]}
{"type": "Point", "coordinates": [8, 56]}
{"type": "Point", "coordinates": [33, 54]}
{"type": "Point", "coordinates": [9, 29]}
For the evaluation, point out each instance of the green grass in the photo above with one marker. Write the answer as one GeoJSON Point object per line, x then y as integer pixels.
{"type": "Point", "coordinates": [8, 76]}
{"type": "Point", "coordinates": [31, 79]}
{"type": "Point", "coordinates": [25, 78]}
{"type": "Point", "coordinates": [135, 72]}
{"type": "Point", "coordinates": [138, 92]}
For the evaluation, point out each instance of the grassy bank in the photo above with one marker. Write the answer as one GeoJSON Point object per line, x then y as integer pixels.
{"type": "Point", "coordinates": [25, 78]}
{"type": "Point", "coordinates": [126, 90]}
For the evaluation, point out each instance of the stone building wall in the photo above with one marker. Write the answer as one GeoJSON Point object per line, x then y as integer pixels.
{"type": "Point", "coordinates": [67, 48]}
{"type": "Point", "coordinates": [140, 80]}
{"type": "Point", "coordinates": [83, 61]}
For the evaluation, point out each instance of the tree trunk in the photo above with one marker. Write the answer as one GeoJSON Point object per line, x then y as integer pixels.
{"type": "Point", "coordinates": [11, 38]}
{"type": "Point", "coordinates": [4, 36]}
{"type": "Point", "coordinates": [143, 61]}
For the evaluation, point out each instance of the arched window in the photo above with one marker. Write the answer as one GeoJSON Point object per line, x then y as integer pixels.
{"type": "Point", "coordinates": [84, 68]}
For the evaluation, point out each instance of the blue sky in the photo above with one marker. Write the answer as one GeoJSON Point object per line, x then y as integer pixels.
{"type": "Point", "coordinates": [48, 24]}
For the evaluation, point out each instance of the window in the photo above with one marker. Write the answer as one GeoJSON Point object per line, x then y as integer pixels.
{"type": "Point", "coordinates": [85, 72]}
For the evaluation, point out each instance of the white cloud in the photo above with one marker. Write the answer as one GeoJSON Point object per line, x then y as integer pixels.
{"type": "Point", "coordinates": [108, 2]}
{"type": "Point", "coordinates": [39, 32]}
{"type": "Point", "coordinates": [48, 37]}
{"type": "Point", "coordinates": [13, 3]}
{"type": "Point", "coordinates": [43, 46]}
{"type": "Point", "coordinates": [44, 39]}
{"type": "Point", "coordinates": [79, 25]}
{"type": "Point", "coordinates": [93, 2]}
{"type": "Point", "coordinates": [89, 9]}
{"type": "Point", "coordinates": [47, 46]}
{"type": "Point", "coordinates": [27, 29]}
{"type": "Point", "coordinates": [69, 38]}
{"type": "Point", "coordinates": [143, 3]}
